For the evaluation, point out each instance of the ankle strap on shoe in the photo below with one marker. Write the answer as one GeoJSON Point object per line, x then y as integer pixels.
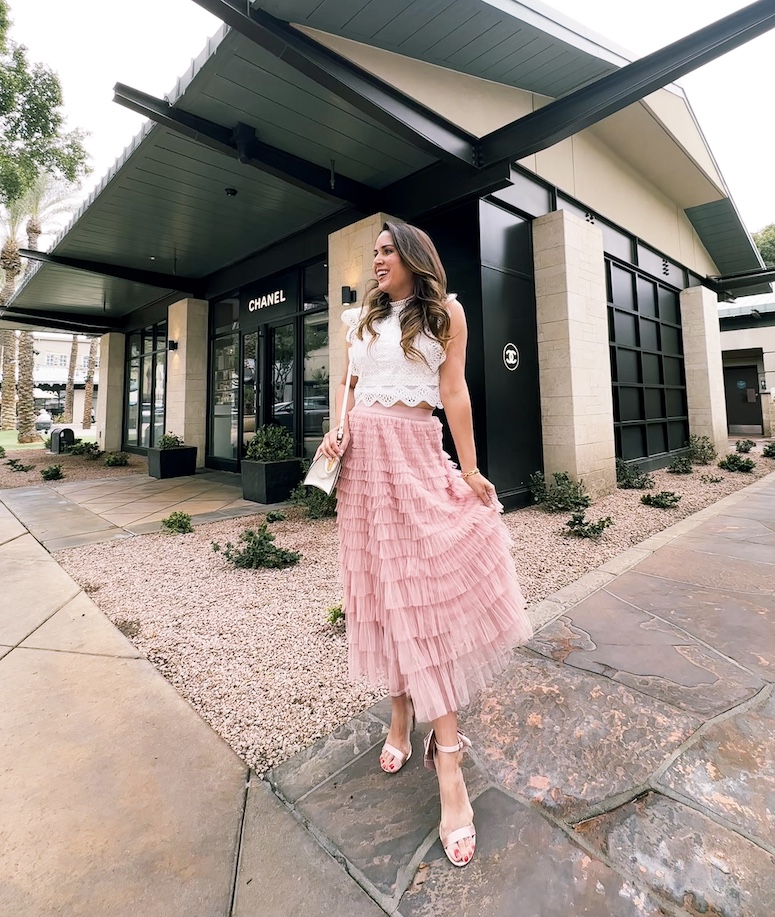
{"type": "Point", "coordinates": [450, 749]}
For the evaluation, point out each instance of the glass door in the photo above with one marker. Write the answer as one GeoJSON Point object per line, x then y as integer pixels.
{"type": "Point", "coordinates": [225, 392]}
{"type": "Point", "coordinates": [281, 359]}
{"type": "Point", "coordinates": [251, 390]}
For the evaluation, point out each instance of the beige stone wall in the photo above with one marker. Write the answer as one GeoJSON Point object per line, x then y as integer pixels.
{"type": "Point", "coordinates": [702, 362]}
{"type": "Point", "coordinates": [350, 259]}
{"type": "Point", "coordinates": [759, 341]}
{"type": "Point", "coordinates": [574, 364]}
{"type": "Point", "coordinates": [109, 415]}
{"type": "Point", "coordinates": [186, 412]}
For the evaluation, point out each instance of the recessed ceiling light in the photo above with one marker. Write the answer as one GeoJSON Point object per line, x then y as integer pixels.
{"type": "Point", "coordinates": [230, 192]}
{"type": "Point", "coordinates": [152, 258]}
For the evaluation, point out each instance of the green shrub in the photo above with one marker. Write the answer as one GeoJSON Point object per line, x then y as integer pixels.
{"type": "Point", "coordinates": [335, 615]}
{"type": "Point", "coordinates": [629, 478]}
{"type": "Point", "coordinates": [564, 495]}
{"type": "Point", "coordinates": [582, 528]}
{"type": "Point", "coordinates": [734, 462]}
{"type": "Point", "coordinates": [682, 465]}
{"type": "Point", "coordinates": [52, 473]}
{"type": "Point", "coordinates": [768, 450]}
{"type": "Point", "coordinates": [170, 441]}
{"type": "Point", "coordinates": [2, 452]}
{"type": "Point", "coordinates": [275, 515]}
{"type": "Point", "coordinates": [665, 499]}
{"type": "Point", "coordinates": [701, 450]}
{"type": "Point", "coordinates": [117, 459]}
{"type": "Point", "coordinates": [270, 443]}
{"type": "Point", "coordinates": [710, 479]}
{"type": "Point", "coordinates": [16, 465]}
{"type": "Point", "coordinates": [177, 524]}
{"type": "Point", "coordinates": [744, 445]}
{"type": "Point", "coordinates": [91, 450]}
{"type": "Point", "coordinates": [317, 503]}
{"type": "Point", "coordinates": [257, 551]}
{"type": "Point", "coordinates": [47, 442]}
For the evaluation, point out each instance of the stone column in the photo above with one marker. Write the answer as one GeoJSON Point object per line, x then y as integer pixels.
{"type": "Point", "coordinates": [110, 400]}
{"type": "Point", "coordinates": [350, 258]}
{"type": "Point", "coordinates": [768, 397]}
{"type": "Point", "coordinates": [574, 364]}
{"type": "Point", "coordinates": [186, 406]}
{"type": "Point", "coordinates": [703, 366]}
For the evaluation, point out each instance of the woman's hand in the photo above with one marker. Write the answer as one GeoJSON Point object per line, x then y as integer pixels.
{"type": "Point", "coordinates": [483, 489]}
{"type": "Point", "coordinates": [331, 448]}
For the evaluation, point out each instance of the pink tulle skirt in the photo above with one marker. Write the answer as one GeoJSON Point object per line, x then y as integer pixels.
{"type": "Point", "coordinates": [431, 598]}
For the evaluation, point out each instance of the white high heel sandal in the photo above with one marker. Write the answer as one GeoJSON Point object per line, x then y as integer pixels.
{"type": "Point", "coordinates": [430, 747]}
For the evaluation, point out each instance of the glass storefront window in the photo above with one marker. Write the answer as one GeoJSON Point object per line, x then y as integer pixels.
{"type": "Point", "coordinates": [316, 375]}
{"type": "Point", "coordinates": [225, 389]}
{"type": "Point", "coordinates": [133, 403]}
{"type": "Point", "coordinates": [159, 390]}
{"type": "Point", "coordinates": [281, 361]}
{"type": "Point", "coordinates": [146, 387]}
{"type": "Point", "coordinates": [250, 385]}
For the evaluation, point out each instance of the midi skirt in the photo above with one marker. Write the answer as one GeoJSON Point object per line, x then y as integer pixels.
{"type": "Point", "coordinates": [432, 603]}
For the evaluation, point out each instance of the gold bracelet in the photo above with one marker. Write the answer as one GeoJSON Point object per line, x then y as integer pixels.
{"type": "Point", "coordinates": [471, 473]}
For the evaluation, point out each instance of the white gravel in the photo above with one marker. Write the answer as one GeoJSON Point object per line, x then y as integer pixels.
{"type": "Point", "coordinates": [74, 468]}
{"type": "Point", "coordinates": [252, 650]}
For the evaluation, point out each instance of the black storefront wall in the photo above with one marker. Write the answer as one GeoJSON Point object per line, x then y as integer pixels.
{"type": "Point", "coordinates": [487, 253]}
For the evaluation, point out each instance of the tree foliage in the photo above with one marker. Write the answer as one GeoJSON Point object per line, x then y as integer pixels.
{"type": "Point", "coordinates": [32, 136]}
{"type": "Point", "coordinates": [765, 242]}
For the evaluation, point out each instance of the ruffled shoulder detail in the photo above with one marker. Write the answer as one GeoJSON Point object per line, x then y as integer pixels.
{"type": "Point", "coordinates": [351, 318]}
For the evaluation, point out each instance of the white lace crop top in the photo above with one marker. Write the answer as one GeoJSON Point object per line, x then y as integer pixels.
{"type": "Point", "coordinates": [384, 372]}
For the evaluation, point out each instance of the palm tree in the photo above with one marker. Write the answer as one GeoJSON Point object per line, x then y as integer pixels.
{"type": "Point", "coordinates": [70, 388]}
{"type": "Point", "coordinates": [49, 197]}
{"type": "Point", "coordinates": [11, 220]}
{"type": "Point", "coordinates": [26, 406]}
{"type": "Point", "coordinates": [88, 392]}
{"type": "Point", "coordinates": [8, 395]}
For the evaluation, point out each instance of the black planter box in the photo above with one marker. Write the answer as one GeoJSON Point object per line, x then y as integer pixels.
{"type": "Point", "coordinates": [269, 482]}
{"type": "Point", "coordinates": [172, 463]}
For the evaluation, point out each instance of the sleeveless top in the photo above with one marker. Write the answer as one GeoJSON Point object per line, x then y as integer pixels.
{"type": "Point", "coordinates": [384, 372]}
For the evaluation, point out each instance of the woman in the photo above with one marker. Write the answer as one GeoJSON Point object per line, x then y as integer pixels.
{"type": "Point", "coordinates": [431, 598]}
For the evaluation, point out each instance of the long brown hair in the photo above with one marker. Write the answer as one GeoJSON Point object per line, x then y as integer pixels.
{"type": "Point", "coordinates": [425, 312]}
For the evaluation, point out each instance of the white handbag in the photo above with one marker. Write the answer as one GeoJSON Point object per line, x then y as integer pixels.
{"type": "Point", "coordinates": [324, 472]}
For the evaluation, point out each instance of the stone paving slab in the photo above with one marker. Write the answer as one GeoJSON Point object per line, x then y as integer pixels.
{"type": "Point", "coordinates": [607, 636]}
{"type": "Point", "coordinates": [699, 865]}
{"type": "Point", "coordinates": [569, 740]}
{"type": "Point", "coordinates": [10, 527]}
{"type": "Point", "coordinates": [741, 626]}
{"type": "Point", "coordinates": [34, 587]}
{"type": "Point", "coordinates": [78, 541]}
{"type": "Point", "coordinates": [730, 771]}
{"type": "Point", "coordinates": [524, 865]}
{"type": "Point", "coordinates": [727, 573]}
{"type": "Point", "coordinates": [117, 798]}
{"type": "Point", "coordinates": [760, 549]}
{"type": "Point", "coordinates": [379, 821]}
{"type": "Point", "coordinates": [283, 872]}
{"type": "Point", "coordinates": [4, 650]}
{"type": "Point", "coordinates": [80, 627]}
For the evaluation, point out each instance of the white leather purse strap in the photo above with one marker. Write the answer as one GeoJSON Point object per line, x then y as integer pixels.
{"type": "Point", "coordinates": [345, 399]}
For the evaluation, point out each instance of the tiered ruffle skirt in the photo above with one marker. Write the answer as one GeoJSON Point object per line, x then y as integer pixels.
{"type": "Point", "coordinates": [431, 598]}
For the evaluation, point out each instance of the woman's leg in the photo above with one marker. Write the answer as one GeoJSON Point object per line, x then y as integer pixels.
{"type": "Point", "coordinates": [456, 811]}
{"type": "Point", "coordinates": [402, 713]}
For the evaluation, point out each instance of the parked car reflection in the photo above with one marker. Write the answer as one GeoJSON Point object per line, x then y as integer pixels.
{"type": "Point", "coordinates": [315, 411]}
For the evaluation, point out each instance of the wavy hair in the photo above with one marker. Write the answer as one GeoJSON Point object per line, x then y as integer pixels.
{"type": "Point", "coordinates": [426, 311]}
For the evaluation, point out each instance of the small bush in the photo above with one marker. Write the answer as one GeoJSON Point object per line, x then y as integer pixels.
{"type": "Point", "coordinates": [317, 503]}
{"type": "Point", "coordinates": [665, 499]}
{"type": "Point", "coordinates": [582, 528]}
{"type": "Point", "coordinates": [335, 615]}
{"type": "Point", "coordinates": [257, 551]}
{"type": "Point", "coordinates": [2, 452]}
{"type": "Point", "coordinates": [177, 524]}
{"type": "Point", "coordinates": [564, 495]}
{"type": "Point", "coordinates": [270, 443]}
{"type": "Point", "coordinates": [681, 465]}
{"type": "Point", "coordinates": [16, 465]}
{"type": "Point", "coordinates": [117, 459]}
{"type": "Point", "coordinates": [734, 462]}
{"type": "Point", "coordinates": [744, 445]}
{"type": "Point", "coordinates": [629, 478]}
{"type": "Point", "coordinates": [710, 479]}
{"type": "Point", "coordinates": [768, 450]}
{"type": "Point", "coordinates": [170, 441]}
{"type": "Point", "coordinates": [91, 450]}
{"type": "Point", "coordinates": [52, 473]}
{"type": "Point", "coordinates": [275, 515]}
{"type": "Point", "coordinates": [47, 442]}
{"type": "Point", "coordinates": [701, 450]}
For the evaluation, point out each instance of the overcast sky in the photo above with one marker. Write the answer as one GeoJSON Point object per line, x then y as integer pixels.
{"type": "Point", "coordinates": [93, 44]}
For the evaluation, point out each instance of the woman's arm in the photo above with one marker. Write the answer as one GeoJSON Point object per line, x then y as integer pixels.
{"type": "Point", "coordinates": [457, 402]}
{"type": "Point", "coordinates": [329, 447]}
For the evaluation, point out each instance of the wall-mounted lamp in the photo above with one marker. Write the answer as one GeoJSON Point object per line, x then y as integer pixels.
{"type": "Point", "coordinates": [348, 295]}
{"type": "Point", "coordinates": [172, 345]}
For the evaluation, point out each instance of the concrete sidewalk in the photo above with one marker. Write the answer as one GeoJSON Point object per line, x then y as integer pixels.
{"type": "Point", "coordinates": [624, 765]}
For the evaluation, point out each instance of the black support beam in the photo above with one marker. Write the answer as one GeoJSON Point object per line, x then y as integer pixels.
{"type": "Point", "coordinates": [383, 103]}
{"type": "Point", "coordinates": [59, 321]}
{"type": "Point", "coordinates": [586, 106]}
{"type": "Point", "coordinates": [188, 285]}
{"type": "Point", "coordinates": [242, 144]}
{"type": "Point", "coordinates": [728, 283]}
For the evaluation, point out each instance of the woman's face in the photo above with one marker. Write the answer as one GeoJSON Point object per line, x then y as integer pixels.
{"type": "Point", "coordinates": [393, 276]}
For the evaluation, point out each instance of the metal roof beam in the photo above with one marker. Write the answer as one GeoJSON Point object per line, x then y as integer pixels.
{"type": "Point", "coordinates": [59, 321]}
{"type": "Point", "coordinates": [586, 106]}
{"type": "Point", "coordinates": [188, 285]}
{"type": "Point", "coordinates": [407, 118]}
{"type": "Point", "coordinates": [731, 282]}
{"type": "Point", "coordinates": [242, 144]}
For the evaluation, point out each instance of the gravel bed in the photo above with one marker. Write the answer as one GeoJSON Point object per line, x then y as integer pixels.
{"type": "Point", "coordinates": [74, 468]}
{"type": "Point", "coordinates": [252, 650]}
